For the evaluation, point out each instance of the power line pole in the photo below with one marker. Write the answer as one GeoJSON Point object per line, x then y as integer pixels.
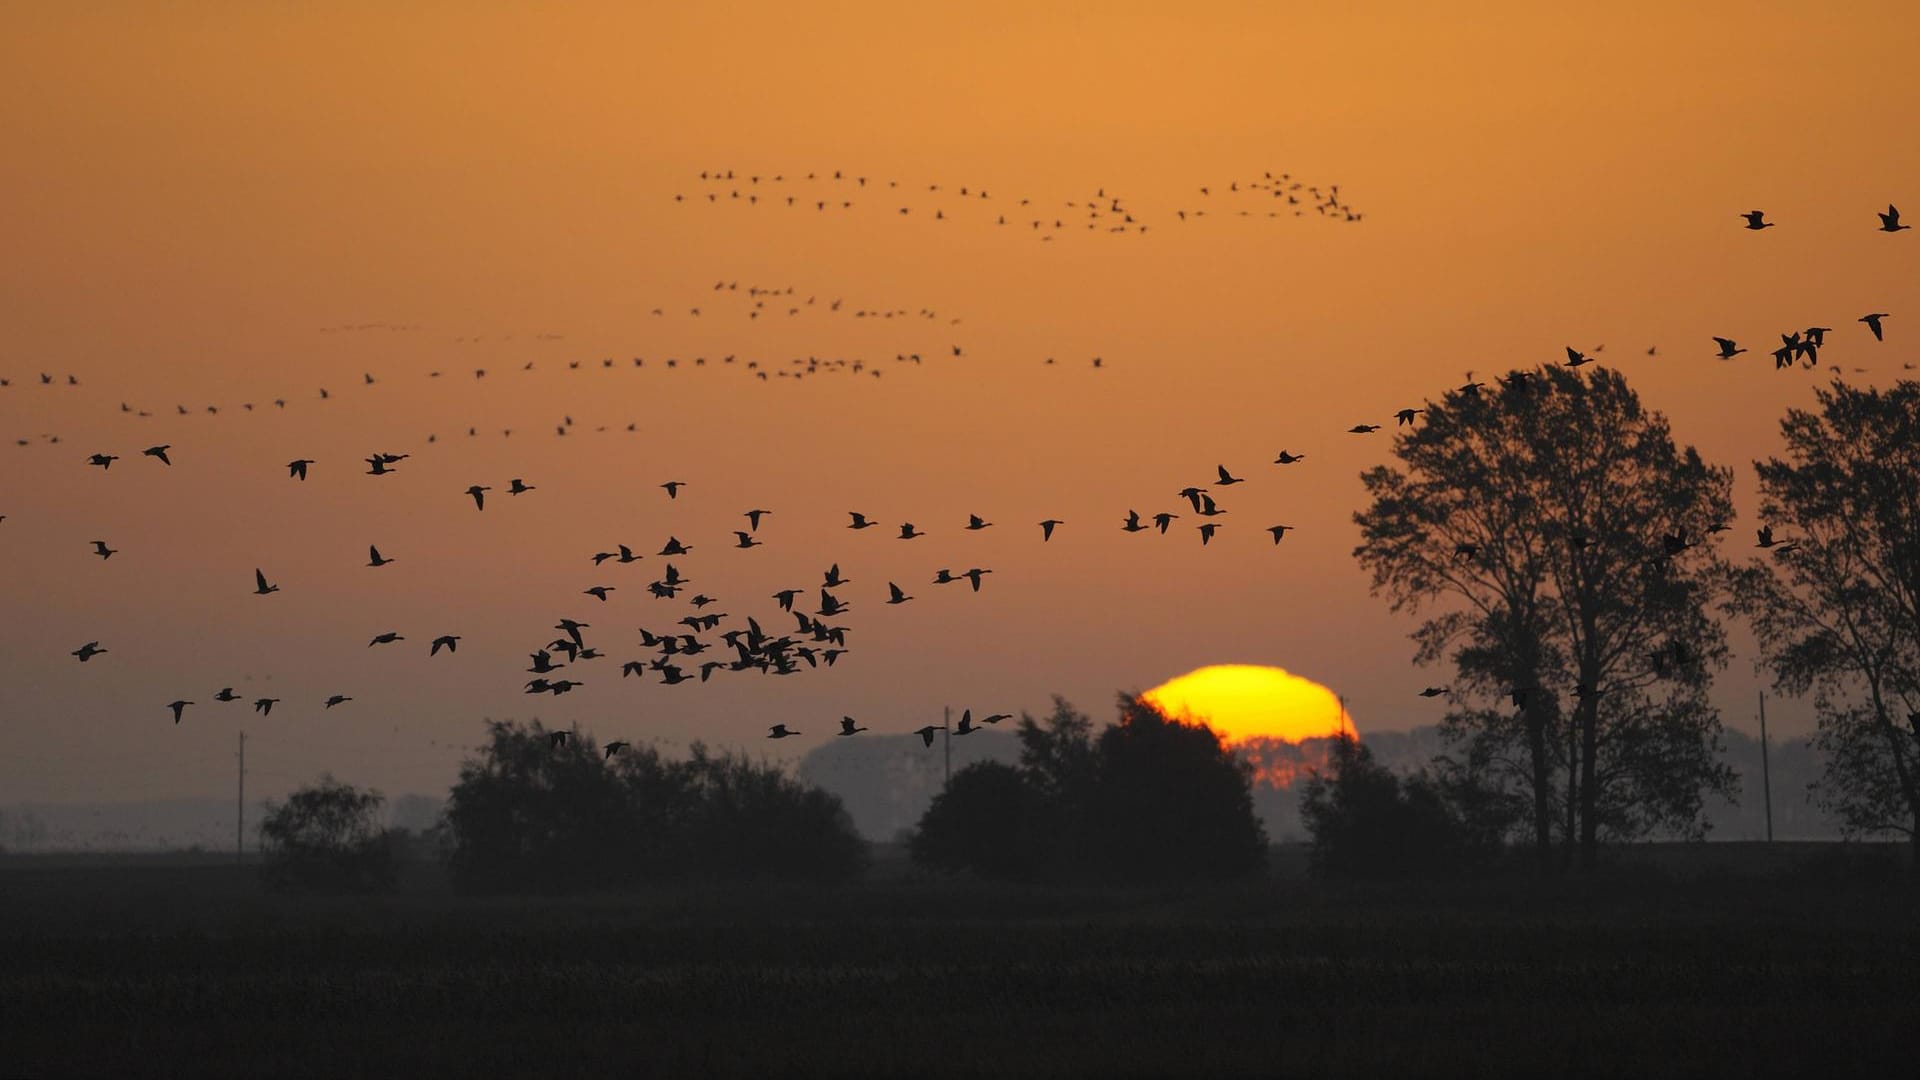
{"type": "Point", "coordinates": [1766, 769]}
{"type": "Point", "coordinates": [946, 744]}
{"type": "Point", "coordinates": [240, 805]}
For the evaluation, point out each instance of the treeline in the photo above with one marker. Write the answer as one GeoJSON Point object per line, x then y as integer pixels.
{"type": "Point", "coordinates": [1145, 798]}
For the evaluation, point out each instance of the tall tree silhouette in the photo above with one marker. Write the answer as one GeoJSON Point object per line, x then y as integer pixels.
{"type": "Point", "coordinates": [1837, 605]}
{"type": "Point", "coordinates": [1562, 544]}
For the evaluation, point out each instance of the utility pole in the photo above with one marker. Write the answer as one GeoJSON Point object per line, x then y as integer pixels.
{"type": "Point", "coordinates": [946, 744]}
{"type": "Point", "coordinates": [1766, 769]}
{"type": "Point", "coordinates": [240, 805]}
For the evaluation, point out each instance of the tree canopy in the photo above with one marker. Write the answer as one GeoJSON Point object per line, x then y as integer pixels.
{"type": "Point", "coordinates": [1836, 603]}
{"type": "Point", "coordinates": [1560, 544]}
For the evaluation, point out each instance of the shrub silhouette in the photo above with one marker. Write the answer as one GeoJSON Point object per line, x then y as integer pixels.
{"type": "Point", "coordinates": [992, 819]}
{"type": "Point", "coordinates": [1368, 822]}
{"type": "Point", "coordinates": [326, 837]}
{"type": "Point", "coordinates": [527, 815]}
{"type": "Point", "coordinates": [1150, 799]}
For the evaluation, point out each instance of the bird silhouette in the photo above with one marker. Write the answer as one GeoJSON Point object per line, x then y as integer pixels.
{"type": "Point", "coordinates": [88, 651]}
{"type": "Point", "coordinates": [860, 521]}
{"type": "Point", "coordinates": [847, 726]}
{"type": "Point", "coordinates": [1279, 532]}
{"type": "Point", "coordinates": [101, 549]}
{"type": "Point", "coordinates": [479, 493]}
{"type": "Point", "coordinates": [260, 586]}
{"type": "Point", "coordinates": [673, 488]}
{"type": "Point", "coordinates": [974, 575]}
{"type": "Point", "coordinates": [1728, 350]}
{"type": "Point", "coordinates": [1434, 691]}
{"type": "Point", "coordinates": [895, 595]}
{"type": "Point", "coordinates": [753, 518]}
{"type": "Point", "coordinates": [1756, 220]}
{"type": "Point", "coordinates": [965, 726]}
{"type": "Point", "coordinates": [226, 694]}
{"type": "Point", "coordinates": [1890, 221]}
{"type": "Point", "coordinates": [908, 532]}
{"type": "Point", "coordinates": [374, 558]}
{"type": "Point", "coordinates": [557, 739]}
{"type": "Point", "coordinates": [517, 487]}
{"type": "Point", "coordinates": [1873, 323]}
{"type": "Point", "coordinates": [1288, 459]}
{"type": "Point", "coordinates": [1047, 527]}
{"type": "Point", "coordinates": [1132, 524]}
{"type": "Point", "coordinates": [264, 706]}
{"type": "Point", "coordinates": [1405, 417]}
{"type": "Point", "coordinates": [105, 461]}
{"type": "Point", "coordinates": [1207, 531]}
{"type": "Point", "coordinates": [779, 731]}
{"type": "Point", "coordinates": [336, 699]}
{"type": "Point", "coordinates": [159, 452]}
{"type": "Point", "coordinates": [1227, 478]}
{"type": "Point", "coordinates": [387, 638]}
{"type": "Point", "coordinates": [599, 592]}
{"type": "Point", "coordinates": [178, 707]}
{"type": "Point", "coordinates": [926, 734]}
{"type": "Point", "coordinates": [1364, 429]}
{"type": "Point", "coordinates": [745, 540]}
{"type": "Point", "coordinates": [450, 641]}
{"type": "Point", "coordinates": [975, 523]}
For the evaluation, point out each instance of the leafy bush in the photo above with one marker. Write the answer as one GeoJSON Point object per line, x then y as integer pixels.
{"type": "Point", "coordinates": [1368, 822]}
{"type": "Point", "coordinates": [527, 815]}
{"type": "Point", "coordinates": [326, 838]}
{"type": "Point", "coordinates": [1150, 798]}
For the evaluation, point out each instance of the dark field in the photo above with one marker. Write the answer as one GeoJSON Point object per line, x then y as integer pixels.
{"type": "Point", "coordinates": [1751, 961]}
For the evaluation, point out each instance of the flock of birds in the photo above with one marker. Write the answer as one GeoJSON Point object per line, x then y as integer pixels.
{"type": "Point", "coordinates": [1271, 195]}
{"type": "Point", "coordinates": [694, 648]}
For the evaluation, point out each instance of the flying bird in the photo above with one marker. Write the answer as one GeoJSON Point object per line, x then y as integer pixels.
{"type": "Point", "coordinates": [1873, 323]}
{"type": "Point", "coordinates": [1728, 350]}
{"type": "Point", "coordinates": [101, 549]}
{"type": "Point", "coordinates": [336, 699]}
{"type": "Point", "coordinates": [1890, 221]}
{"type": "Point", "coordinates": [479, 493]}
{"type": "Point", "coordinates": [779, 731]}
{"type": "Point", "coordinates": [374, 558]}
{"type": "Point", "coordinates": [753, 518]}
{"type": "Point", "coordinates": [387, 638]}
{"type": "Point", "coordinates": [926, 734]}
{"type": "Point", "coordinates": [847, 726]}
{"type": "Point", "coordinates": [975, 523]}
{"type": "Point", "coordinates": [260, 586]}
{"type": "Point", "coordinates": [860, 521]}
{"type": "Point", "coordinates": [908, 532]}
{"type": "Point", "coordinates": [1434, 691]}
{"type": "Point", "coordinates": [1288, 459]}
{"type": "Point", "coordinates": [88, 651]}
{"type": "Point", "coordinates": [1279, 532]}
{"type": "Point", "coordinates": [1227, 478]}
{"type": "Point", "coordinates": [264, 706]}
{"type": "Point", "coordinates": [178, 707]}
{"type": "Point", "coordinates": [673, 488]}
{"type": "Point", "coordinates": [451, 641]}
{"type": "Point", "coordinates": [1047, 527]}
{"type": "Point", "coordinates": [1756, 220]}
{"type": "Point", "coordinates": [105, 461]}
{"type": "Point", "coordinates": [613, 748]}
{"type": "Point", "coordinates": [159, 452]}
{"type": "Point", "coordinates": [896, 595]}
{"type": "Point", "coordinates": [517, 487]}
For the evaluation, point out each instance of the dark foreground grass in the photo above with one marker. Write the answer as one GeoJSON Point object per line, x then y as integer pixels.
{"type": "Point", "coordinates": [182, 969]}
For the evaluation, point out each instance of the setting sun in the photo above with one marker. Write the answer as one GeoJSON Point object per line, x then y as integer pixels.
{"type": "Point", "coordinates": [1250, 701]}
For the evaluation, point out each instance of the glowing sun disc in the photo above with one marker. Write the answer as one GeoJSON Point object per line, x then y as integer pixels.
{"type": "Point", "coordinates": [1250, 701]}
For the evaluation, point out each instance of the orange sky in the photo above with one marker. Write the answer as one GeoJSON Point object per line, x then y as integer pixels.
{"type": "Point", "coordinates": [192, 191]}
